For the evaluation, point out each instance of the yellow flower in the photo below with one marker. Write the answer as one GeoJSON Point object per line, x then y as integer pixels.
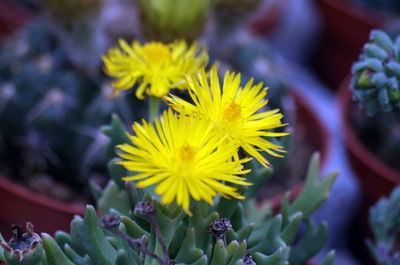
{"type": "Point", "coordinates": [182, 158]}
{"type": "Point", "coordinates": [236, 112]}
{"type": "Point", "coordinates": [155, 66]}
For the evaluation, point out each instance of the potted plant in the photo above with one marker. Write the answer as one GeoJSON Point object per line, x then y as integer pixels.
{"type": "Point", "coordinates": [52, 107]}
{"type": "Point", "coordinates": [384, 220]}
{"type": "Point", "coordinates": [152, 232]}
{"type": "Point", "coordinates": [57, 78]}
{"type": "Point", "coordinates": [372, 135]}
{"type": "Point", "coordinates": [184, 196]}
{"type": "Point", "coordinates": [347, 24]}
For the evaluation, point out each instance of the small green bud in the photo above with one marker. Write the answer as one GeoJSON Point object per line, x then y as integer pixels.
{"type": "Point", "coordinates": [167, 20]}
{"type": "Point", "coordinates": [364, 80]}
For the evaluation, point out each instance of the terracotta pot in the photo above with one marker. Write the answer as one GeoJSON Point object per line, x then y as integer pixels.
{"type": "Point", "coordinates": [265, 20]}
{"type": "Point", "coordinates": [318, 136]}
{"type": "Point", "coordinates": [12, 16]}
{"type": "Point", "coordinates": [376, 178]}
{"type": "Point", "coordinates": [346, 28]}
{"type": "Point", "coordinates": [19, 205]}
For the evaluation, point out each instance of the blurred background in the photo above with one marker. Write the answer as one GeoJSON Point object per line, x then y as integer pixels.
{"type": "Point", "coordinates": [54, 95]}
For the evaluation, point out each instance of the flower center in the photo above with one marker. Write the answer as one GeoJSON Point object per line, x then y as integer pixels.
{"type": "Point", "coordinates": [156, 52]}
{"type": "Point", "coordinates": [232, 112]}
{"type": "Point", "coordinates": [187, 153]}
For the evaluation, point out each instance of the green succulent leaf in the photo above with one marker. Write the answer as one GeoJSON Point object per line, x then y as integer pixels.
{"type": "Point", "coordinates": [328, 260]}
{"type": "Point", "coordinates": [279, 257]}
{"type": "Point", "coordinates": [54, 254]}
{"type": "Point", "coordinates": [74, 257]}
{"type": "Point", "coordinates": [314, 192]}
{"type": "Point", "coordinates": [189, 253]}
{"type": "Point", "coordinates": [92, 239]}
{"type": "Point", "coordinates": [310, 244]}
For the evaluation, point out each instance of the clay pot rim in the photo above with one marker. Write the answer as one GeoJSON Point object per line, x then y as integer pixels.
{"type": "Point", "coordinates": [354, 144]}
{"type": "Point", "coordinates": [275, 201]}
{"type": "Point", "coordinates": [366, 15]}
{"type": "Point", "coordinates": [41, 199]}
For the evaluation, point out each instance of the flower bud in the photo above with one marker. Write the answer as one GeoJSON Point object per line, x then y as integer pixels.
{"type": "Point", "coordinates": [167, 20]}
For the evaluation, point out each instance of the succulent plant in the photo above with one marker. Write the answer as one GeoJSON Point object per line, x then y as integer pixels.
{"type": "Point", "coordinates": [384, 220]}
{"type": "Point", "coordinates": [45, 102]}
{"type": "Point", "coordinates": [376, 87]}
{"type": "Point", "coordinates": [376, 76]}
{"type": "Point", "coordinates": [134, 228]}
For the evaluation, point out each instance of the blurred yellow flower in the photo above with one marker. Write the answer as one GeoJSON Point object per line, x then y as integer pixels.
{"type": "Point", "coordinates": [182, 158]}
{"type": "Point", "coordinates": [235, 112]}
{"type": "Point", "coordinates": [154, 66]}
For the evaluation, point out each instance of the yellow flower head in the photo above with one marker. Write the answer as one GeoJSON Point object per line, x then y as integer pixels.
{"type": "Point", "coordinates": [235, 112]}
{"type": "Point", "coordinates": [157, 67]}
{"type": "Point", "coordinates": [182, 158]}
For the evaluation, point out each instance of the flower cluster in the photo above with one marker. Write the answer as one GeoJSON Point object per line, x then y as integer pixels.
{"type": "Point", "coordinates": [192, 150]}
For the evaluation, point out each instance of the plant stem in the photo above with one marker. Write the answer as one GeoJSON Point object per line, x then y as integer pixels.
{"type": "Point", "coordinates": [137, 244]}
{"type": "Point", "coordinates": [154, 108]}
{"type": "Point", "coordinates": [159, 237]}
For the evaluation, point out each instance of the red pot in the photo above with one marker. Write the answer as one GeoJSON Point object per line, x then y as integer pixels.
{"type": "Point", "coordinates": [12, 16]}
{"type": "Point", "coordinates": [19, 205]}
{"type": "Point", "coordinates": [377, 179]}
{"type": "Point", "coordinates": [265, 20]}
{"type": "Point", "coordinates": [318, 136]}
{"type": "Point", "coordinates": [346, 28]}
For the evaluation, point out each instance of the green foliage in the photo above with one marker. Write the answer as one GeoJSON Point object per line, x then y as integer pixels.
{"type": "Point", "coordinates": [384, 220]}
{"type": "Point", "coordinates": [256, 234]}
{"type": "Point", "coordinates": [315, 191]}
{"type": "Point", "coordinates": [376, 76]}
